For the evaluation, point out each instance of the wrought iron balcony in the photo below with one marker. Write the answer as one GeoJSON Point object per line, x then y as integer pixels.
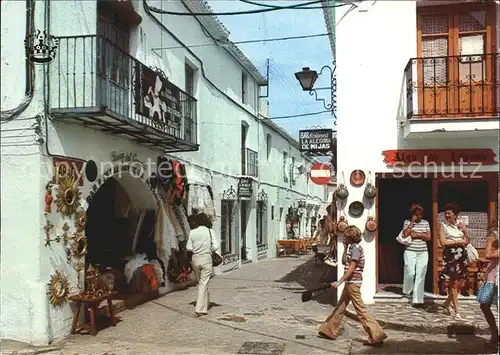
{"type": "Point", "coordinates": [95, 83]}
{"type": "Point", "coordinates": [463, 86]}
{"type": "Point", "coordinates": [252, 163]}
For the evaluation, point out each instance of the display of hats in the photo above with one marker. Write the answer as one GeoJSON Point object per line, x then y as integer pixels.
{"type": "Point", "coordinates": [356, 209]}
{"type": "Point", "coordinates": [357, 177]}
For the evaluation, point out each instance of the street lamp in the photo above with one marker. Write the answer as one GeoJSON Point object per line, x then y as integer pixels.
{"type": "Point", "coordinates": [307, 78]}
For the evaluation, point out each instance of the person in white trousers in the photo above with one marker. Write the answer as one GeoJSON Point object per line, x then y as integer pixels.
{"type": "Point", "coordinates": [416, 256]}
{"type": "Point", "coordinates": [202, 242]}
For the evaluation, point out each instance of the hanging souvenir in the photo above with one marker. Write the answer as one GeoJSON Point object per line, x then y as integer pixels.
{"type": "Point", "coordinates": [58, 288]}
{"type": "Point", "coordinates": [357, 178]}
{"type": "Point", "coordinates": [370, 190]}
{"type": "Point", "coordinates": [371, 225]}
{"type": "Point", "coordinates": [68, 196]}
{"type": "Point", "coordinates": [342, 224]}
{"type": "Point", "coordinates": [48, 198]}
{"type": "Point", "coordinates": [342, 192]}
{"type": "Point", "coordinates": [81, 220]}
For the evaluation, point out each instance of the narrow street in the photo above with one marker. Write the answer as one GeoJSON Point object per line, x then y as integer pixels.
{"type": "Point", "coordinates": [255, 310]}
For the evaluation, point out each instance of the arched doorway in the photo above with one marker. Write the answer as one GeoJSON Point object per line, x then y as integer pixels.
{"type": "Point", "coordinates": [120, 225]}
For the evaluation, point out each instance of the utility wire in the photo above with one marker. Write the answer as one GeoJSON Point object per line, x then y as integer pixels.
{"type": "Point", "coordinates": [249, 12]}
{"type": "Point", "coordinates": [277, 39]}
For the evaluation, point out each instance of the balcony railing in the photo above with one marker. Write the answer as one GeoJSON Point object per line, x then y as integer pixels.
{"type": "Point", "coordinates": [463, 86]}
{"type": "Point", "coordinates": [252, 163]}
{"type": "Point", "coordinates": [95, 82]}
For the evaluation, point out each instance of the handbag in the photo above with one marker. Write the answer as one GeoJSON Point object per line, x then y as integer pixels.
{"type": "Point", "coordinates": [403, 240]}
{"type": "Point", "coordinates": [216, 258]}
{"type": "Point", "coordinates": [486, 293]}
{"type": "Point", "coordinates": [472, 254]}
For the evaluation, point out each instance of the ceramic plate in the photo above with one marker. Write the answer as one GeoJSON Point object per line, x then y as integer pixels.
{"type": "Point", "coordinates": [356, 208]}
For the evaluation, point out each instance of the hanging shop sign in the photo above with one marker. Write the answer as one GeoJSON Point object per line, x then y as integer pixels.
{"type": "Point", "coordinates": [315, 140]}
{"type": "Point", "coordinates": [245, 189]}
{"type": "Point", "coordinates": [439, 156]}
{"type": "Point", "coordinates": [155, 97]}
{"type": "Point", "coordinates": [67, 168]}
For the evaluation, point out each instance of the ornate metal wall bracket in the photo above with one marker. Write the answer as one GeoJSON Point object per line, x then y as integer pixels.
{"type": "Point", "coordinates": [332, 106]}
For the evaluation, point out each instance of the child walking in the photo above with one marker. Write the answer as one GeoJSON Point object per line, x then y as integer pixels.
{"type": "Point", "coordinates": [354, 262]}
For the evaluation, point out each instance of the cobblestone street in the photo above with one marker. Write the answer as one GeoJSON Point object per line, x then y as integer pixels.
{"type": "Point", "coordinates": [256, 310]}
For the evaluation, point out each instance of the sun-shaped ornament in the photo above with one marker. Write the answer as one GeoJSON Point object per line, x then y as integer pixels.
{"type": "Point", "coordinates": [68, 196]}
{"type": "Point", "coordinates": [58, 288]}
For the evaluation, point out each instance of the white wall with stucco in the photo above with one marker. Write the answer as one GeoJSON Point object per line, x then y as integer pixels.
{"type": "Point", "coordinates": [374, 44]}
{"type": "Point", "coordinates": [26, 164]}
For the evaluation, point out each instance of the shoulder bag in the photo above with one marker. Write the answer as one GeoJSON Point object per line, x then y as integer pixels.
{"type": "Point", "coordinates": [216, 258]}
{"type": "Point", "coordinates": [402, 240]}
{"type": "Point", "coordinates": [472, 254]}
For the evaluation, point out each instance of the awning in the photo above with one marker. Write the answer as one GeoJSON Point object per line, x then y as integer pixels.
{"type": "Point", "coordinates": [138, 191]}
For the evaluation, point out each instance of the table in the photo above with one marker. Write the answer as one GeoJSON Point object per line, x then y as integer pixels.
{"type": "Point", "coordinates": [91, 305]}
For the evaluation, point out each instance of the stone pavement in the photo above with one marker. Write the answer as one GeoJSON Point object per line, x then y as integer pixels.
{"type": "Point", "coordinates": [255, 310]}
{"type": "Point", "coordinates": [432, 319]}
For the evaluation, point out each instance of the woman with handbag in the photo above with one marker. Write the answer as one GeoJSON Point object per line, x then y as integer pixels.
{"type": "Point", "coordinates": [454, 238]}
{"type": "Point", "coordinates": [488, 292]}
{"type": "Point", "coordinates": [416, 257]}
{"type": "Point", "coordinates": [202, 243]}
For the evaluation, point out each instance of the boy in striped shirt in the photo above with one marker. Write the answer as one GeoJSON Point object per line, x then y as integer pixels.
{"type": "Point", "coordinates": [354, 262]}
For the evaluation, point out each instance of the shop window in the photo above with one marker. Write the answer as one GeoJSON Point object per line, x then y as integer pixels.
{"type": "Point", "coordinates": [227, 226]}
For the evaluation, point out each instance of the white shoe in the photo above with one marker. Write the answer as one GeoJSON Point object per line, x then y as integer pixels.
{"type": "Point", "coordinates": [331, 262]}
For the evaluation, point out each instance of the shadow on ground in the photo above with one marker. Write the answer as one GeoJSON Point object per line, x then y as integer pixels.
{"type": "Point", "coordinates": [308, 276]}
{"type": "Point", "coordinates": [462, 345]}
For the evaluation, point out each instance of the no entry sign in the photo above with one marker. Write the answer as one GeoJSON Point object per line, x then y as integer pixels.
{"type": "Point", "coordinates": [320, 174]}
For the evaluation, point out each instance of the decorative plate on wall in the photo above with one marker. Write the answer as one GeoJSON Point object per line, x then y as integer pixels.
{"type": "Point", "coordinates": [356, 209]}
{"type": "Point", "coordinates": [357, 178]}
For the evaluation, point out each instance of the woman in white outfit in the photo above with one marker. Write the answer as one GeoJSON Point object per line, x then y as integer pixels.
{"type": "Point", "coordinates": [201, 243]}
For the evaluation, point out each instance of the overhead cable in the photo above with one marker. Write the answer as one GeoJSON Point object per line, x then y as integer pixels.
{"type": "Point", "coordinates": [301, 6]}
{"type": "Point", "coordinates": [277, 39]}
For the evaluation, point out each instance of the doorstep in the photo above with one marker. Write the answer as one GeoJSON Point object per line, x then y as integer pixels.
{"type": "Point", "coordinates": [431, 319]}
{"type": "Point", "coordinates": [389, 297]}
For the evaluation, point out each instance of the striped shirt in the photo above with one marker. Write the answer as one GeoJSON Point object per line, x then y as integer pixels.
{"type": "Point", "coordinates": [419, 227]}
{"type": "Point", "coordinates": [355, 253]}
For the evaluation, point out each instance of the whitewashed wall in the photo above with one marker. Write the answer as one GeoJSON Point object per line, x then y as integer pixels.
{"type": "Point", "coordinates": [373, 48]}
{"type": "Point", "coordinates": [26, 262]}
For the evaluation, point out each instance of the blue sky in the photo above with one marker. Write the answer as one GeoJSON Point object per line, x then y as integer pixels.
{"type": "Point", "coordinates": [286, 57]}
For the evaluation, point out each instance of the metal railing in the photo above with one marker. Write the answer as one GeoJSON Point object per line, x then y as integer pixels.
{"type": "Point", "coordinates": [252, 168]}
{"type": "Point", "coordinates": [452, 86]}
{"type": "Point", "coordinates": [92, 75]}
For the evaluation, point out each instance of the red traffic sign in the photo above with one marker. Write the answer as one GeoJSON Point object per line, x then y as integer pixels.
{"type": "Point", "coordinates": [320, 174]}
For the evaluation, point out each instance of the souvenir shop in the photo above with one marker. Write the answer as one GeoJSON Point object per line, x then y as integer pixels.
{"type": "Point", "coordinates": [132, 236]}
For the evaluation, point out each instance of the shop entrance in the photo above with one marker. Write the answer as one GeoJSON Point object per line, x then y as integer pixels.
{"type": "Point", "coordinates": [394, 199]}
{"type": "Point", "coordinates": [120, 224]}
{"type": "Point", "coordinates": [244, 222]}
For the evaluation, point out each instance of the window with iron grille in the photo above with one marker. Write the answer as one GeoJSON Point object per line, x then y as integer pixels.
{"type": "Point", "coordinates": [252, 163]}
{"type": "Point", "coordinates": [292, 172]}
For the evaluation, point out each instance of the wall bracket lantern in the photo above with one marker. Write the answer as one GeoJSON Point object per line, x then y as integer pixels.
{"type": "Point", "coordinates": [307, 78]}
{"type": "Point", "coordinates": [262, 199]}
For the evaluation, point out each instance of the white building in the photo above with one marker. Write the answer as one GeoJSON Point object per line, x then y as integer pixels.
{"type": "Point", "coordinates": [417, 81]}
{"type": "Point", "coordinates": [81, 107]}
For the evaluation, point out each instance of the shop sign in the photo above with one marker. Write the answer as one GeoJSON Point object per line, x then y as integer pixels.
{"type": "Point", "coordinates": [67, 167]}
{"type": "Point", "coordinates": [439, 156]}
{"type": "Point", "coordinates": [155, 97]}
{"type": "Point", "coordinates": [315, 140]}
{"type": "Point", "coordinates": [245, 189]}
{"type": "Point", "coordinates": [124, 157]}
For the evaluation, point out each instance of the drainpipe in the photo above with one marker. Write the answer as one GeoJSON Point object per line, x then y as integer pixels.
{"type": "Point", "coordinates": [9, 115]}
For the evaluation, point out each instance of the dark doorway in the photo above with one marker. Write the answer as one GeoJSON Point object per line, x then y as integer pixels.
{"type": "Point", "coordinates": [395, 198]}
{"type": "Point", "coordinates": [244, 220]}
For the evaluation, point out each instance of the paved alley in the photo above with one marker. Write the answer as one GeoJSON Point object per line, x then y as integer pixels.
{"type": "Point", "coordinates": [256, 310]}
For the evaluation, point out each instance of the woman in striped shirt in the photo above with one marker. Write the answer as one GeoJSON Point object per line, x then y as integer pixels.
{"type": "Point", "coordinates": [416, 256]}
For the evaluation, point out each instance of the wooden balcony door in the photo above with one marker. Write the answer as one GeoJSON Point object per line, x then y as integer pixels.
{"type": "Point", "coordinates": [457, 60]}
